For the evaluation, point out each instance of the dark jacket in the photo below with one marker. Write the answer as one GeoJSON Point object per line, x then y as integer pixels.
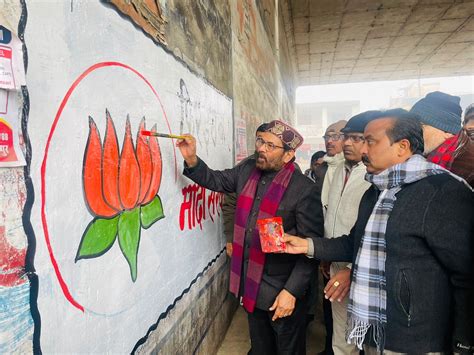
{"type": "Point", "coordinates": [229, 205]}
{"type": "Point", "coordinates": [318, 177]}
{"type": "Point", "coordinates": [429, 263]}
{"type": "Point", "coordinates": [228, 215]}
{"type": "Point", "coordinates": [301, 211]}
{"type": "Point", "coordinates": [228, 209]}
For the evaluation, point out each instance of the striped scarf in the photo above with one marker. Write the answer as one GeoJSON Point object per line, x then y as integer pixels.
{"type": "Point", "coordinates": [268, 208]}
{"type": "Point", "coordinates": [368, 298]}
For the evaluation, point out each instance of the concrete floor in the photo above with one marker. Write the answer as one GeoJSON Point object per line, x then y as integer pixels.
{"type": "Point", "coordinates": [237, 339]}
{"type": "Point", "coordinates": [237, 342]}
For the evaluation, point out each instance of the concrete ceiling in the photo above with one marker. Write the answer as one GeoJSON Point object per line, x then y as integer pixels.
{"type": "Point", "coordinates": [340, 41]}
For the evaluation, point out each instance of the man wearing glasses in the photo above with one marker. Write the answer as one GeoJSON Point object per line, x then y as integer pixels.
{"type": "Point", "coordinates": [271, 287]}
{"type": "Point", "coordinates": [333, 142]}
{"type": "Point", "coordinates": [334, 156]}
{"type": "Point", "coordinates": [346, 190]}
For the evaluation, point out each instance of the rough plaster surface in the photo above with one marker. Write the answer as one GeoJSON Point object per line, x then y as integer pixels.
{"type": "Point", "coordinates": [146, 14]}
{"type": "Point", "coordinates": [10, 14]}
{"type": "Point", "coordinates": [16, 323]}
{"type": "Point", "coordinates": [263, 85]}
{"type": "Point", "coordinates": [199, 32]}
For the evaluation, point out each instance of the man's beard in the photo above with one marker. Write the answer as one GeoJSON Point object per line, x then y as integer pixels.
{"type": "Point", "coordinates": [257, 163]}
{"type": "Point", "coordinates": [265, 165]}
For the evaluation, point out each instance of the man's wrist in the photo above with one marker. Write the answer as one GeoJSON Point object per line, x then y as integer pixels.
{"type": "Point", "coordinates": [288, 292]}
{"type": "Point", "coordinates": [192, 162]}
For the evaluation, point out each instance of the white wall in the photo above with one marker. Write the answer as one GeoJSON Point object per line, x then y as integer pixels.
{"type": "Point", "coordinates": [62, 44]}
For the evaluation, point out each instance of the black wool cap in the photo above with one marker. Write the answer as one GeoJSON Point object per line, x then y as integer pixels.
{"type": "Point", "coordinates": [358, 122]}
{"type": "Point", "coordinates": [439, 110]}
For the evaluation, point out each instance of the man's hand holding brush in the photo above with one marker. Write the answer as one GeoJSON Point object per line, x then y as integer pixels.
{"type": "Point", "coordinates": [187, 146]}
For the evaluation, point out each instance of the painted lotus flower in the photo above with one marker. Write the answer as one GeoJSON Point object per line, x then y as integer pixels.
{"type": "Point", "coordinates": [120, 190]}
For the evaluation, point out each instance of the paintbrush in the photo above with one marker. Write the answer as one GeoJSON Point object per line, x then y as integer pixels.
{"type": "Point", "coordinates": [162, 135]}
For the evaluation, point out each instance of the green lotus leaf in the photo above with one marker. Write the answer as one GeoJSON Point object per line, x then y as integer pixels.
{"type": "Point", "coordinates": [98, 238]}
{"type": "Point", "coordinates": [151, 212]}
{"type": "Point", "coordinates": [129, 238]}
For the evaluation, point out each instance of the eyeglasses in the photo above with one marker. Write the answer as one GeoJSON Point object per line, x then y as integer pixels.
{"type": "Point", "coordinates": [470, 132]}
{"type": "Point", "coordinates": [269, 146]}
{"type": "Point", "coordinates": [353, 138]}
{"type": "Point", "coordinates": [333, 137]}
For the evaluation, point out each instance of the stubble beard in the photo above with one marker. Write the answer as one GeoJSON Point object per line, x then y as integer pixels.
{"type": "Point", "coordinates": [267, 166]}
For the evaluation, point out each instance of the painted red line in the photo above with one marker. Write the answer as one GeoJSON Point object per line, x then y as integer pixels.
{"type": "Point", "coordinates": [59, 276]}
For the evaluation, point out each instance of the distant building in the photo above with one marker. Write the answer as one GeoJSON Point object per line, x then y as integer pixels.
{"type": "Point", "coordinates": [412, 93]}
{"type": "Point", "coordinates": [312, 120]}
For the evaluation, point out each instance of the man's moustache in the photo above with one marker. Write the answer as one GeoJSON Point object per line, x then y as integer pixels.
{"type": "Point", "coordinates": [365, 159]}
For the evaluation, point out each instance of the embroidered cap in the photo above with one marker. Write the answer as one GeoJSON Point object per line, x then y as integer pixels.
{"type": "Point", "coordinates": [288, 135]}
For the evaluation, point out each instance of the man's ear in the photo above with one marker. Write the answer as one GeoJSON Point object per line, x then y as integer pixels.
{"type": "Point", "coordinates": [289, 154]}
{"type": "Point", "coordinates": [404, 147]}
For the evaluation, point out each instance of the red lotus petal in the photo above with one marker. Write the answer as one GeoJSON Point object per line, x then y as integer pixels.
{"type": "Point", "coordinates": [144, 161]}
{"type": "Point", "coordinates": [129, 172]}
{"type": "Point", "coordinates": [110, 165]}
{"type": "Point", "coordinates": [157, 168]}
{"type": "Point", "coordinates": [92, 174]}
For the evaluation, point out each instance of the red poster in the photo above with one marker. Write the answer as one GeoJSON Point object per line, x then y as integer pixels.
{"type": "Point", "coordinates": [7, 151]}
{"type": "Point", "coordinates": [10, 152]}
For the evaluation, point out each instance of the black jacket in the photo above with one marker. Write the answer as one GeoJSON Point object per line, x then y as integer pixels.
{"type": "Point", "coordinates": [302, 214]}
{"type": "Point", "coordinates": [429, 263]}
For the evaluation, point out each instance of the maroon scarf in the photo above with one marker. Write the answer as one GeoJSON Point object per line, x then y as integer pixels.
{"type": "Point", "coordinates": [268, 208]}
